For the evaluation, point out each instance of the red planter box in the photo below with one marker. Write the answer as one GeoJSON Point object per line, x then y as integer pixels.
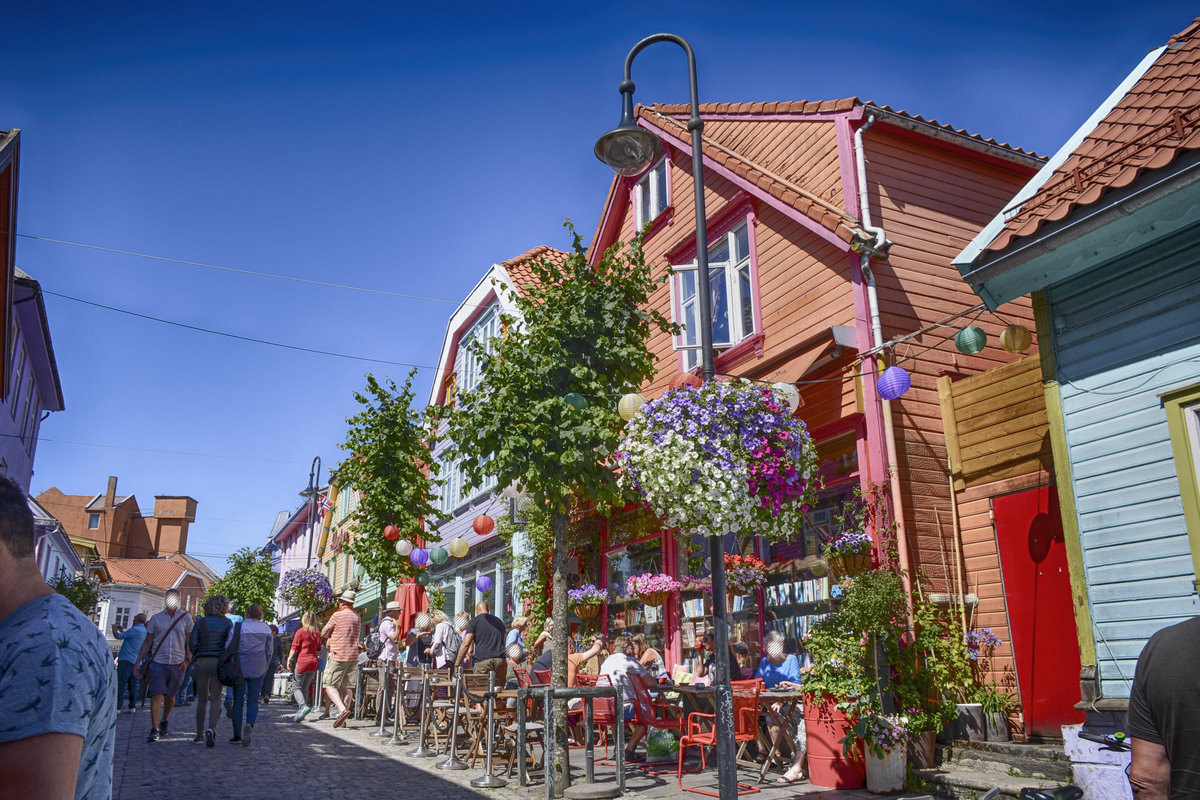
{"type": "Point", "coordinates": [824, 727]}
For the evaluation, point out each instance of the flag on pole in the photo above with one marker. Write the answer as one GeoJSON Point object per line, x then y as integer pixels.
{"type": "Point", "coordinates": [324, 503]}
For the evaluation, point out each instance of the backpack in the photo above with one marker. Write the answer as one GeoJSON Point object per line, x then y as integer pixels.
{"type": "Point", "coordinates": [374, 644]}
{"type": "Point", "coordinates": [452, 644]}
{"type": "Point", "coordinates": [229, 665]}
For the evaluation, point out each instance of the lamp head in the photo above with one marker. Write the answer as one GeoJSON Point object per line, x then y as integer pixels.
{"type": "Point", "coordinates": [627, 149]}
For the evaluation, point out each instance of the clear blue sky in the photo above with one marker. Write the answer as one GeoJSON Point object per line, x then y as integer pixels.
{"type": "Point", "coordinates": [404, 149]}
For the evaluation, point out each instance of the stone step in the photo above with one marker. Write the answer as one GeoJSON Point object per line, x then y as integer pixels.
{"type": "Point", "coordinates": [963, 784]}
{"type": "Point", "coordinates": [1048, 762]}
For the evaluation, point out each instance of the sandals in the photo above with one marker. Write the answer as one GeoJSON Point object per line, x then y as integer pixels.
{"type": "Point", "coordinates": [632, 757]}
{"type": "Point", "coordinates": [341, 720]}
{"type": "Point", "coordinates": [792, 776]}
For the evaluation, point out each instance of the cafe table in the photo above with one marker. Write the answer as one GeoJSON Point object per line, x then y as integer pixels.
{"type": "Point", "coordinates": [777, 707]}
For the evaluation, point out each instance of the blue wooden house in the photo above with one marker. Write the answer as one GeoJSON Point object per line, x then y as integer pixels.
{"type": "Point", "coordinates": [1106, 238]}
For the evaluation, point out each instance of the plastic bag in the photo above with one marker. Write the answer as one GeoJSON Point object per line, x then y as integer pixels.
{"type": "Point", "coordinates": [661, 743]}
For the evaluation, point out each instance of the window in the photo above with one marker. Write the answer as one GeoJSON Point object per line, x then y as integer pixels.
{"type": "Point", "coordinates": [17, 376]}
{"type": "Point", "coordinates": [1182, 407]}
{"type": "Point", "coordinates": [483, 331]}
{"type": "Point", "coordinates": [731, 291]}
{"type": "Point", "coordinates": [122, 615]}
{"type": "Point", "coordinates": [30, 411]}
{"type": "Point", "coordinates": [93, 521]}
{"type": "Point", "coordinates": [650, 194]}
{"type": "Point", "coordinates": [453, 493]}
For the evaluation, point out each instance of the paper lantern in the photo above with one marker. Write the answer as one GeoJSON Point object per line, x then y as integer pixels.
{"type": "Point", "coordinates": [893, 383]}
{"type": "Point", "coordinates": [419, 556]}
{"type": "Point", "coordinates": [483, 583]}
{"type": "Point", "coordinates": [404, 547]}
{"type": "Point", "coordinates": [438, 555]}
{"type": "Point", "coordinates": [790, 394]}
{"type": "Point", "coordinates": [970, 340]}
{"type": "Point", "coordinates": [422, 579]}
{"type": "Point", "coordinates": [1016, 338]}
{"type": "Point", "coordinates": [629, 405]}
{"type": "Point", "coordinates": [391, 533]}
{"type": "Point", "coordinates": [682, 379]}
{"type": "Point", "coordinates": [483, 524]}
{"type": "Point", "coordinates": [458, 547]}
{"type": "Point", "coordinates": [512, 491]}
{"type": "Point", "coordinates": [576, 401]}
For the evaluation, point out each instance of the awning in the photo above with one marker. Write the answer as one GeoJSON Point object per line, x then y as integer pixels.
{"type": "Point", "coordinates": [829, 345]}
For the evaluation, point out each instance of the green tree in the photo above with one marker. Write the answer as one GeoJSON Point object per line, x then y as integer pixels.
{"type": "Point", "coordinates": [391, 466]}
{"type": "Point", "coordinates": [581, 333]}
{"type": "Point", "coordinates": [84, 593]}
{"type": "Point", "coordinates": [249, 579]}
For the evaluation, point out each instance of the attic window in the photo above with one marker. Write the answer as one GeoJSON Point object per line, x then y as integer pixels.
{"type": "Point", "coordinates": [651, 195]}
{"type": "Point", "coordinates": [93, 521]}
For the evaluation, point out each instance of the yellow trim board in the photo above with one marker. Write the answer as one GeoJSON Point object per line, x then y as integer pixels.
{"type": "Point", "coordinates": [1174, 403]}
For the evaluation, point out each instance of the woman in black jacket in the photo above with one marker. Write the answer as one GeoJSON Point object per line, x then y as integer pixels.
{"type": "Point", "coordinates": [207, 644]}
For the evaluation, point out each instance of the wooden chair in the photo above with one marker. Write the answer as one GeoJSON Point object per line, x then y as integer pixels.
{"type": "Point", "coordinates": [410, 696]}
{"type": "Point", "coordinates": [745, 729]}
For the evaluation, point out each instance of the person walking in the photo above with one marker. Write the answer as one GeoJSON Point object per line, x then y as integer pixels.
{"type": "Point", "coordinates": [167, 645]}
{"type": "Point", "coordinates": [58, 691]}
{"type": "Point", "coordinates": [254, 650]}
{"type": "Point", "coordinates": [341, 634]}
{"type": "Point", "coordinates": [443, 649]}
{"type": "Point", "coordinates": [303, 662]}
{"type": "Point", "coordinates": [484, 644]}
{"type": "Point", "coordinates": [131, 644]}
{"type": "Point", "coordinates": [207, 643]}
{"type": "Point", "coordinates": [276, 662]}
{"type": "Point", "coordinates": [234, 617]}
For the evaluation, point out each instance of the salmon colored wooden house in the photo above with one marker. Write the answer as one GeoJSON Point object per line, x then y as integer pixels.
{"type": "Point", "coordinates": [818, 214]}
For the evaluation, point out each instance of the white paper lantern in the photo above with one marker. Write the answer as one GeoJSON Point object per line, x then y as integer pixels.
{"type": "Point", "coordinates": [404, 547]}
{"type": "Point", "coordinates": [629, 405]}
{"type": "Point", "coordinates": [790, 394]}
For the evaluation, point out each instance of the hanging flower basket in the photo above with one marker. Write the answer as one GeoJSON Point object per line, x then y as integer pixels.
{"type": "Point", "coordinates": [652, 589]}
{"type": "Point", "coordinates": [587, 610]}
{"type": "Point", "coordinates": [850, 564]}
{"type": "Point", "coordinates": [744, 574]}
{"type": "Point", "coordinates": [727, 456]}
{"type": "Point", "coordinates": [654, 598]}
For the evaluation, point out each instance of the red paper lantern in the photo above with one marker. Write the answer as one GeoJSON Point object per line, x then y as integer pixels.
{"type": "Point", "coordinates": [682, 379]}
{"type": "Point", "coordinates": [391, 533]}
{"type": "Point", "coordinates": [483, 524]}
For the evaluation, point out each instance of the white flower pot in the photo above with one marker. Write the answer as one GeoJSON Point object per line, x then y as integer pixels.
{"type": "Point", "coordinates": [886, 774]}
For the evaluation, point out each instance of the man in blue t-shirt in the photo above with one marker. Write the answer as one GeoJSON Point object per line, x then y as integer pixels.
{"type": "Point", "coordinates": [131, 644]}
{"type": "Point", "coordinates": [58, 692]}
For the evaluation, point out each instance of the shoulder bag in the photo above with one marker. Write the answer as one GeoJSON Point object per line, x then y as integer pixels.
{"type": "Point", "coordinates": [229, 667]}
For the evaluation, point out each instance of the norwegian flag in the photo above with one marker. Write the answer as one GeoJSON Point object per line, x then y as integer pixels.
{"type": "Point", "coordinates": [325, 504]}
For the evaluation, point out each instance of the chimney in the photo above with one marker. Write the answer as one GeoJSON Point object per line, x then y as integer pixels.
{"type": "Point", "coordinates": [110, 496]}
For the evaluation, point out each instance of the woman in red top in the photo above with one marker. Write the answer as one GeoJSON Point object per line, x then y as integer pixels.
{"type": "Point", "coordinates": [302, 661]}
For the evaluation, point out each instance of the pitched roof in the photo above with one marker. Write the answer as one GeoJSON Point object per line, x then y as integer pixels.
{"type": "Point", "coordinates": [157, 573]}
{"type": "Point", "coordinates": [520, 269]}
{"type": "Point", "coordinates": [1151, 123]}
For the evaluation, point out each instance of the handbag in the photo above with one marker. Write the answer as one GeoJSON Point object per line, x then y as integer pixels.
{"type": "Point", "coordinates": [229, 666]}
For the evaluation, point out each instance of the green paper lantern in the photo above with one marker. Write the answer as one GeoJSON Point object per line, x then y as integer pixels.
{"type": "Point", "coordinates": [576, 401]}
{"type": "Point", "coordinates": [438, 555]}
{"type": "Point", "coordinates": [422, 578]}
{"type": "Point", "coordinates": [970, 340]}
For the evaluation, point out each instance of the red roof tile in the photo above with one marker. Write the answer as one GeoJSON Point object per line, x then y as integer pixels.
{"type": "Point", "coordinates": [520, 269]}
{"type": "Point", "coordinates": [1156, 120]}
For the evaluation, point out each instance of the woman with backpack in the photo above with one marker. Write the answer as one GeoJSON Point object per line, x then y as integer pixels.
{"type": "Point", "coordinates": [207, 643]}
{"type": "Point", "coordinates": [446, 640]}
{"type": "Point", "coordinates": [303, 661]}
{"type": "Point", "coordinates": [254, 653]}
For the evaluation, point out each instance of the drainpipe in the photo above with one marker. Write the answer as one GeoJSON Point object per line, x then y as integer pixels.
{"type": "Point", "coordinates": [889, 431]}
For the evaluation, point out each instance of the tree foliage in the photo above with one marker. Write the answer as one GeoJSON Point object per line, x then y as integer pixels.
{"type": "Point", "coordinates": [83, 592]}
{"type": "Point", "coordinates": [391, 466]}
{"type": "Point", "coordinates": [580, 329]}
{"type": "Point", "coordinates": [249, 579]}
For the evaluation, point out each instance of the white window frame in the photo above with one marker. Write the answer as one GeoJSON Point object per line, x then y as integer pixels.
{"type": "Point", "coordinates": [18, 377]}
{"type": "Point", "coordinates": [484, 330]}
{"type": "Point", "coordinates": [122, 615]}
{"type": "Point", "coordinates": [93, 517]}
{"type": "Point", "coordinates": [653, 190]}
{"type": "Point", "coordinates": [452, 496]}
{"type": "Point", "coordinates": [725, 275]}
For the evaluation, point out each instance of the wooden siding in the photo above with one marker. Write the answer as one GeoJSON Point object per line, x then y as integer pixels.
{"type": "Point", "coordinates": [931, 202]}
{"type": "Point", "coordinates": [1125, 333]}
{"type": "Point", "coordinates": [995, 423]}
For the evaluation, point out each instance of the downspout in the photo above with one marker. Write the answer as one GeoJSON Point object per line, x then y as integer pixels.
{"type": "Point", "coordinates": [889, 431]}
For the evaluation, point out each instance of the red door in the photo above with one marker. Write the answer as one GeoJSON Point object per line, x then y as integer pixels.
{"type": "Point", "coordinates": [1041, 618]}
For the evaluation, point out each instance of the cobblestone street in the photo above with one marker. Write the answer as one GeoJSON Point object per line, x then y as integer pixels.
{"type": "Point", "coordinates": [313, 761]}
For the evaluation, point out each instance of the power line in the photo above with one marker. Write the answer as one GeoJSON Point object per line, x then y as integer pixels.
{"type": "Point", "coordinates": [237, 270]}
{"type": "Point", "coordinates": [235, 335]}
{"type": "Point", "coordinates": [163, 451]}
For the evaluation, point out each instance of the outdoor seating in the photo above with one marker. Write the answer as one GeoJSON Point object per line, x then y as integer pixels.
{"type": "Point", "coordinates": [745, 730]}
{"type": "Point", "coordinates": [585, 679]}
{"type": "Point", "coordinates": [654, 713]}
{"type": "Point", "coordinates": [542, 676]}
{"type": "Point", "coordinates": [522, 676]}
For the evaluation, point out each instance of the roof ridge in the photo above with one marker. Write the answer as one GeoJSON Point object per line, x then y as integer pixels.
{"type": "Point", "coordinates": [1187, 33]}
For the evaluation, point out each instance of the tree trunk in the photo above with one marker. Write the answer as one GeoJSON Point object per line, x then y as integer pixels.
{"type": "Point", "coordinates": [559, 522]}
{"type": "Point", "coordinates": [383, 600]}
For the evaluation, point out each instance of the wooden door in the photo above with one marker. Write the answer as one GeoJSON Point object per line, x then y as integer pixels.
{"type": "Point", "coordinates": [1041, 618]}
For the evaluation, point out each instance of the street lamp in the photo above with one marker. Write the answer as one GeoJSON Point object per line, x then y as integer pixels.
{"type": "Point", "coordinates": [311, 495]}
{"type": "Point", "coordinates": [629, 150]}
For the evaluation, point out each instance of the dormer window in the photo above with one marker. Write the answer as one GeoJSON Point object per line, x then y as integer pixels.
{"type": "Point", "coordinates": [731, 285]}
{"type": "Point", "coordinates": [651, 195]}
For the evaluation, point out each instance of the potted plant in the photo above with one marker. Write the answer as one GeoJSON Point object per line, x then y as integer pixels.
{"type": "Point", "coordinates": [997, 704]}
{"type": "Point", "coordinates": [849, 553]}
{"type": "Point", "coordinates": [883, 741]}
{"type": "Point", "coordinates": [744, 574]}
{"type": "Point", "coordinates": [933, 671]}
{"type": "Point", "coordinates": [586, 600]}
{"type": "Point", "coordinates": [972, 721]}
{"type": "Point", "coordinates": [653, 589]}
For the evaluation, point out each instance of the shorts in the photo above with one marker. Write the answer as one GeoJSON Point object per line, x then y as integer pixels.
{"type": "Point", "coordinates": [340, 675]}
{"type": "Point", "coordinates": [164, 679]}
{"type": "Point", "coordinates": [497, 665]}
{"type": "Point", "coordinates": [630, 712]}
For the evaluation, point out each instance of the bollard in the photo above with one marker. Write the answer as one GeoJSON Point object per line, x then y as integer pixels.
{"type": "Point", "coordinates": [589, 744]}
{"type": "Point", "coordinates": [522, 774]}
{"type": "Point", "coordinates": [398, 737]}
{"type": "Point", "coordinates": [549, 745]}
{"type": "Point", "coordinates": [422, 750]}
{"type": "Point", "coordinates": [488, 780]}
{"type": "Point", "coordinates": [453, 761]}
{"type": "Point", "coordinates": [620, 737]}
{"type": "Point", "coordinates": [381, 705]}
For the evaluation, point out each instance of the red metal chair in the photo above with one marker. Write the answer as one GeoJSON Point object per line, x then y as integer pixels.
{"type": "Point", "coordinates": [745, 729]}
{"type": "Point", "coordinates": [522, 675]}
{"type": "Point", "coordinates": [585, 679]}
{"type": "Point", "coordinates": [653, 712]}
{"type": "Point", "coordinates": [542, 676]}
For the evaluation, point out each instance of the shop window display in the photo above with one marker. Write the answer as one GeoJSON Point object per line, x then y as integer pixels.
{"type": "Point", "coordinates": [629, 615]}
{"type": "Point", "coordinates": [696, 605]}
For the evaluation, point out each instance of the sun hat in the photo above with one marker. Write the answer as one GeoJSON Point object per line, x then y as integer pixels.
{"type": "Point", "coordinates": [348, 596]}
{"type": "Point", "coordinates": [393, 606]}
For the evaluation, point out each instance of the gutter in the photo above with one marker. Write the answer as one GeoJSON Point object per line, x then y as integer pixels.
{"type": "Point", "coordinates": [964, 140]}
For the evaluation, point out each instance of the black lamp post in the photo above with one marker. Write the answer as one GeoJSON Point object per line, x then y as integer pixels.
{"type": "Point", "coordinates": [311, 495]}
{"type": "Point", "coordinates": [629, 150]}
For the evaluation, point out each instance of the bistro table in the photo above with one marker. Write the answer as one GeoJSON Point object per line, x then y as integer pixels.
{"type": "Point", "coordinates": [777, 706]}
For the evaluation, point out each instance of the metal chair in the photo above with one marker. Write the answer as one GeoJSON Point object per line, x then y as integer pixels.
{"type": "Point", "coordinates": [654, 713]}
{"type": "Point", "coordinates": [542, 676]}
{"type": "Point", "coordinates": [745, 729]}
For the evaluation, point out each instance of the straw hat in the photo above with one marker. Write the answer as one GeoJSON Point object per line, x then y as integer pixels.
{"type": "Point", "coordinates": [347, 596]}
{"type": "Point", "coordinates": [393, 606]}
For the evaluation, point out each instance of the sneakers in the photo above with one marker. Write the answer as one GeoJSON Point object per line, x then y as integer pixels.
{"type": "Point", "coordinates": [210, 738]}
{"type": "Point", "coordinates": [247, 733]}
{"type": "Point", "coordinates": [153, 737]}
{"type": "Point", "coordinates": [162, 727]}
{"type": "Point", "coordinates": [198, 738]}
{"type": "Point", "coordinates": [302, 713]}
{"type": "Point", "coordinates": [236, 740]}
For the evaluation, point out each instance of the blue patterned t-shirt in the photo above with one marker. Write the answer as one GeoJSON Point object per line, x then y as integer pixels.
{"type": "Point", "coordinates": [56, 676]}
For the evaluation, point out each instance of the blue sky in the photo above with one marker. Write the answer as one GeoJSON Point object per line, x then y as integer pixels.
{"type": "Point", "coordinates": [406, 150]}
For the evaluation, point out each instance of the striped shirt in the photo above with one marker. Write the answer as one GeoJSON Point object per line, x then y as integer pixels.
{"type": "Point", "coordinates": [341, 635]}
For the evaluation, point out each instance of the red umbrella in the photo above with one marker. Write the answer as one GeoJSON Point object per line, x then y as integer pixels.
{"type": "Point", "coordinates": [413, 600]}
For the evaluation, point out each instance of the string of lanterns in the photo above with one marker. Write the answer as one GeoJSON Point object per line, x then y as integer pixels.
{"type": "Point", "coordinates": [894, 381]}
{"type": "Point", "coordinates": [440, 554]}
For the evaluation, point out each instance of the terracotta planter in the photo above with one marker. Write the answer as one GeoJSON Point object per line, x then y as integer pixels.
{"type": "Point", "coordinates": [848, 565]}
{"type": "Point", "coordinates": [587, 610]}
{"type": "Point", "coordinates": [885, 775]}
{"type": "Point", "coordinates": [824, 728]}
{"type": "Point", "coordinates": [654, 598]}
{"type": "Point", "coordinates": [922, 751]}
